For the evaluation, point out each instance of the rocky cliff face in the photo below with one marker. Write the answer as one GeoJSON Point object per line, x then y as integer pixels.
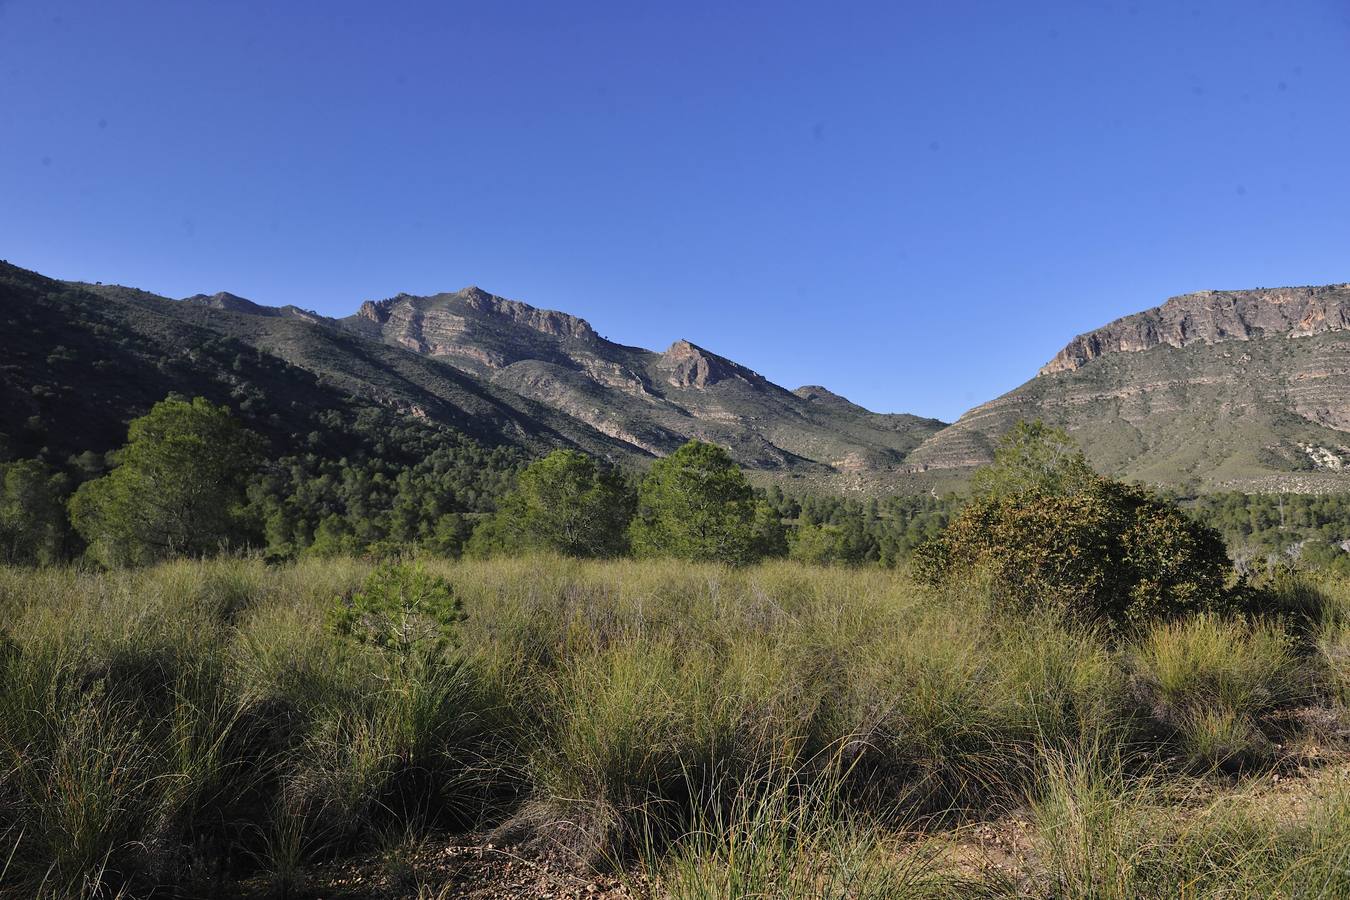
{"type": "Point", "coordinates": [462, 323]}
{"type": "Point", "coordinates": [1211, 317]}
{"type": "Point", "coordinates": [687, 365]}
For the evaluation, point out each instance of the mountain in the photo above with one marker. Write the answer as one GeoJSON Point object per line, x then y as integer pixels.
{"type": "Point", "coordinates": [651, 401]}
{"type": "Point", "coordinates": [81, 360]}
{"type": "Point", "coordinates": [1216, 390]}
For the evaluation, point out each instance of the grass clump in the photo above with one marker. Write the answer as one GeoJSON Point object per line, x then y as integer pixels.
{"type": "Point", "coordinates": [1111, 834]}
{"type": "Point", "coordinates": [172, 725]}
{"type": "Point", "coordinates": [782, 838]}
{"type": "Point", "coordinates": [1210, 680]}
{"type": "Point", "coordinates": [646, 735]}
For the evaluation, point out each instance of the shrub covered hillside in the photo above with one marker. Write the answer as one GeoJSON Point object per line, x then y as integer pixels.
{"type": "Point", "coordinates": [701, 731]}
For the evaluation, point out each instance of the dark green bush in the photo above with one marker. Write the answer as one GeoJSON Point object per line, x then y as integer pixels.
{"type": "Point", "coordinates": [1109, 551]}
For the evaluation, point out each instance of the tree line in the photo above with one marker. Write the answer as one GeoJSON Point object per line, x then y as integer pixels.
{"type": "Point", "coordinates": [192, 480]}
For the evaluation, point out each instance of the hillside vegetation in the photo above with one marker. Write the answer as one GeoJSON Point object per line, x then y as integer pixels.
{"type": "Point", "coordinates": [192, 479]}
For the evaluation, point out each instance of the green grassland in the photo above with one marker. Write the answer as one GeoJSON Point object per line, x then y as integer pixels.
{"type": "Point", "coordinates": [208, 728]}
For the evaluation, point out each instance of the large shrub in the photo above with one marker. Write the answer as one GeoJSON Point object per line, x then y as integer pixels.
{"type": "Point", "coordinates": [1045, 530]}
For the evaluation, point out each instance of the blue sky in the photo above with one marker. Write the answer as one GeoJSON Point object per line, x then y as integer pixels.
{"type": "Point", "coordinates": [915, 204]}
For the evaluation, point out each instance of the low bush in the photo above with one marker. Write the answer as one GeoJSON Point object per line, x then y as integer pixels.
{"type": "Point", "coordinates": [403, 609]}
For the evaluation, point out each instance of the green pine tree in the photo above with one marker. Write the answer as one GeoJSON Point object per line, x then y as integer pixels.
{"type": "Point", "coordinates": [32, 514]}
{"type": "Point", "coordinates": [178, 487]}
{"type": "Point", "coordinates": [565, 503]}
{"type": "Point", "coordinates": [696, 504]}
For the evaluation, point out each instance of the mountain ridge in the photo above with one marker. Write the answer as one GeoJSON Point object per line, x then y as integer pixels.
{"type": "Point", "coordinates": [1213, 317]}
{"type": "Point", "coordinates": [653, 400]}
{"type": "Point", "coordinates": [500, 369]}
{"type": "Point", "coordinates": [1212, 390]}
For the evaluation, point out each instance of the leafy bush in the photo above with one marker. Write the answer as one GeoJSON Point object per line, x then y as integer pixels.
{"type": "Point", "coordinates": [1046, 531]}
{"type": "Point", "coordinates": [1112, 552]}
{"type": "Point", "coordinates": [401, 608]}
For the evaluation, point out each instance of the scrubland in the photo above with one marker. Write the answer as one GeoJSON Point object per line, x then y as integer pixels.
{"type": "Point", "coordinates": [211, 728]}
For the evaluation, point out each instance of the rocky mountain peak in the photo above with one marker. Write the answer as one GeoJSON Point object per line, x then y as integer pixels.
{"type": "Point", "coordinates": [545, 321]}
{"type": "Point", "coordinates": [819, 394]}
{"type": "Point", "coordinates": [686, 364]}
{"type": "Point", "coordinates": [472, 303]}
{"type": "Point", "coordinates": [377, 311]}
{"type": "Point", "coordinates": [1211, 317]}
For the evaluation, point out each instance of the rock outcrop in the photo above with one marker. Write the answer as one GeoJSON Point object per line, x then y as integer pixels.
{"type": "Point", "coordinates": [1234, 388]}
{"type": "Point", "coordinates": [545, 321]}
{"type": "Point", "coordinates": [232, 303]}
{"type": "Point", "coordinates": [1211, 317]}
{"type": "Point", "coordinates": [688, 365]}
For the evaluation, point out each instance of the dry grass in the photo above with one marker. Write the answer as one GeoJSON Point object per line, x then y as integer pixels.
{"type": "Point", "coordinates": [732, 733]}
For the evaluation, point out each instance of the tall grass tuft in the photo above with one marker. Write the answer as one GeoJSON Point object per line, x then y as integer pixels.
{"type": "Point", "coordinates": [785, 839]}
{"type": "Point", "coordinates": [1210, 680]}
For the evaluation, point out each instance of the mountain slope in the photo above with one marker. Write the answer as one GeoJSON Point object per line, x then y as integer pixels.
{"type": "Point", "coordinates": [83, 359]}
{"type": "Point", "coordinates": [1218, 390]}
{"type": "Point", "coordinates": [1244, 390]}
{"type": "Point", "coordinates": [80, 361]}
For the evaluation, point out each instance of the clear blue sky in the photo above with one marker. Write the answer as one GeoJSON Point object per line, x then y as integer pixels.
{"type": "Point", "coordinates": [915, 204]}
